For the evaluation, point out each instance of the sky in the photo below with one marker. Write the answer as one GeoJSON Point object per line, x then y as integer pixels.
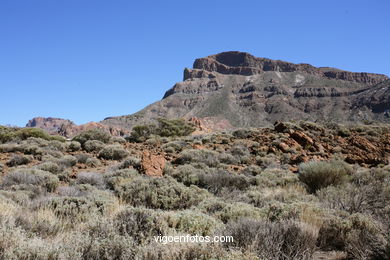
{"type": "Point", "coordinates": [85, 60]}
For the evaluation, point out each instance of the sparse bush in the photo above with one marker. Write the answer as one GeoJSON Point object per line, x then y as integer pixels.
{"type": "Point", "coordinates": [92, 178]}
{"type": "Point", "coordinates": [92, 134]}
{"type": "Point", "coordinates": [130, 162]}
{"type": "Point", "coordinates": [93, 162]}
{"type": "Point", "coordinates": [50, 167]}
{"type": "Point", "coordinates": [93, 146]}
{"type": "Point", "coordinates": [221, 180]}
{"type": "Point", "coordinates": [18, 159]}
{"type": "Point", "coordinates": [117, 139]}
{"type": "Point", "coordinates": [74, 146]}
{"type": "Point", "coordinates": [174, 127]}
{"type": "Point", "coordinates": [359, 235]}
{"type": "Point", "coordinates": [165, 128]}
{"type": "Point", "coordinates": [141, 133]}
{"type": "Point", "coordinates": [241, 153]}
{"type": "Point", "coordinates": [113, 152]}
{"type": "Point", "coordinates": [8, 134]}
{"type": "Point", "coordinates": [82, 157]}
{"type": "Point", "coordinates": [192, 222]}
{"type": "Point", "coordinates": [140, 223]}
{"type": "Point", "coordinates": [67, 161]}
{"type": "Point", "coordinates": [210, 158]}
{"type": "Point", "coordinates": [159, 193]}
{"type": "Point", "coordinates": [230, 211]}
{"type": "Point", "coordinates": [320, 174]}
{"type": "Point", "coordinates": [31, 177]}
{"type": "Point", "coordinates": [273, 240]}
{"type": "Point", "coordinates": [81, 207]}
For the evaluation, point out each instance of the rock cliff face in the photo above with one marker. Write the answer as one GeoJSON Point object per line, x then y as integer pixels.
{"type": "Point", "coordinates": [236, 89]}
{"type": "Point", "coordinates": [67, 128]}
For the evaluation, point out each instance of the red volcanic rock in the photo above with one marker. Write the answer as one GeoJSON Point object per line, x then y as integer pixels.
{"type": "Point", "coordinates": [302, 138]}
{"type": "Point", "coordinates": [151, 164]}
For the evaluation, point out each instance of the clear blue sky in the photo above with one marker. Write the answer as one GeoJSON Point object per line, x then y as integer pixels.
{"type": "Point", "coordinates": [88, 59]}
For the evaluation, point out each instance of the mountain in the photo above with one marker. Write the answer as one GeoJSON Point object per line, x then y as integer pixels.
{"type": "Point", "coordinates": [67, 128]}
{"type": "Point", "coordinates": [236, 89]}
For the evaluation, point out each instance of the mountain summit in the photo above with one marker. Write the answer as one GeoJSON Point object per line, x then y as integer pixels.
{"type": "Point", "coordinates": [236, 89]}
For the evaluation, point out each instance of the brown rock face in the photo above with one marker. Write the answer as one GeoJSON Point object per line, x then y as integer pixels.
{"type": "Point", "coordinates": [236, 89]}
{"type": "Point", "coordinates": [242, 63]}
{"type": "Point", "coordinates": [151, 164]}
{"type": "Point", "coordinates": [67, 128]}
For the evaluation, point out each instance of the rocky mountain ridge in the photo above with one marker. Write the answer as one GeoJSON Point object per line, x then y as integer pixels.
{"type": "Point", "coordinates": [240, 90]}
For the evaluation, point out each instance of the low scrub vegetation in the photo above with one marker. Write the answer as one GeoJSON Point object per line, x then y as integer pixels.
{"type": "Point", "coordinates": [92, 197]}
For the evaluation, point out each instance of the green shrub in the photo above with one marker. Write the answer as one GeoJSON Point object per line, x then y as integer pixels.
{"type": "Point", "coordinates": [92, 178]}
{"type": "Point", "coordinates": [320, 174]}
{"type": "Point", "coordinates": [159, 193]}
{"type": "Point", "coordinates": [93, 146]}
{"type": "Point", "coordinates": [113, 152]}
{"type": "Point", "coordinates": [359, 235]}
{"type": "Point", "coordinates": [230, 211]}
{"type": "Point", "coordinates": [210, 158]}
{"type": "Point", "coordinates": [31, 177]}
{"type": "Point", "coordinates": [117, 139]}
{"type": "Point", "coordinates": [81, 207]}
{"type": "Point", "coordinates": [164, 128]}
{"type": "Point", "coordinates": [273, 240]}
{"type": "Point", "coordinates": [82, 157]}
{"type": "Point", "coordinates": [174, 127]}
{"type": "Point", "coordinates": [74, 146]}
{"type": "Point", "coordinates": [141, 133]}
{"type": "Point", "coordinates": [67, 161]}
{"type": "Point", "coordinates": [93, 162]}
{"type": "Point", "coordinates": [92, 134]}
{"type": "Point", "coordinates": [18, 159]}
{"type": "Point", "coordinates": [140, 223]}
{"type": "Point", "coordinates": [192, 222]}
{"type": "Point", "coordinates": [49, 167]}
{"type": "Point", "coordinates": [221, 180]}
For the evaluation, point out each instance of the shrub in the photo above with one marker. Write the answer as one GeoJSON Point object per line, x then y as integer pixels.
{"type": "Point", "coordinates": [210, 158]}
{"type": "Point", "coordinates": [93, 162]}
{"type": "Point", "coordinates": [273, 240]}
{"type": "Point", "coordinates": [49, 167]}
{"type": "Point", "coordinates": [93, 146]}
{"type": "Point", "coordinates": [241, 153]}
{"type": "Point", "coordinates": [117, 139]}
{"type": "Point", "coordinates": [320, 174]}
{"type": "Point", "coordinates": [141, 133]}
{"type": "Point", "coordinates": [67, 161]}
{"type": "Point", "coordinates": [19, 160]}
{"type": "Point", "coordinates": [165, 128]}
{"type": "Point", "coordinates": [74, 146]}
{"type": "Point", "coordinates": [31, 177]}
{"type": "Point", "coordinates": [130, 162]}
{"type": "Point", "coordinates": [140, 223]}
{"type": "Point", "coordinates": [82, 157]}
{"type": "Point", "coordinates": [159, 193]}
{"type": "Point", "coordinates": [113, 152]}
{"type": "Point", "coordinates": [192, 222]}
{"type": "Point", "coordinates": [174, 127]}
{"type": "Point", "coordinates": [83, 207]}
{"type": "Point", "coordinates": [220, 180]}
{"type": "Point", "coordinates": [230, 211]}
{"type": "Point", "coordinates": [359, 235]}
{"type": "Point", "coordinates": [92, 134]}
{"type": "Point", "coordinates": [92, 178]}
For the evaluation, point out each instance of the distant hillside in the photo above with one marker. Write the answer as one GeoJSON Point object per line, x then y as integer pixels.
{"type": "Point", "coordinates": [236, 89]}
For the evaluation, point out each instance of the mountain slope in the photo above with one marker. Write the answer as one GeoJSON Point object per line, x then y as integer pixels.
{"type": "Point", "coordinates": [240, 90]}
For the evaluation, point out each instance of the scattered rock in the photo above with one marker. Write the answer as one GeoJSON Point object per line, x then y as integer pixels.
{"type": "Point", "coordinates": [151, 164]}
